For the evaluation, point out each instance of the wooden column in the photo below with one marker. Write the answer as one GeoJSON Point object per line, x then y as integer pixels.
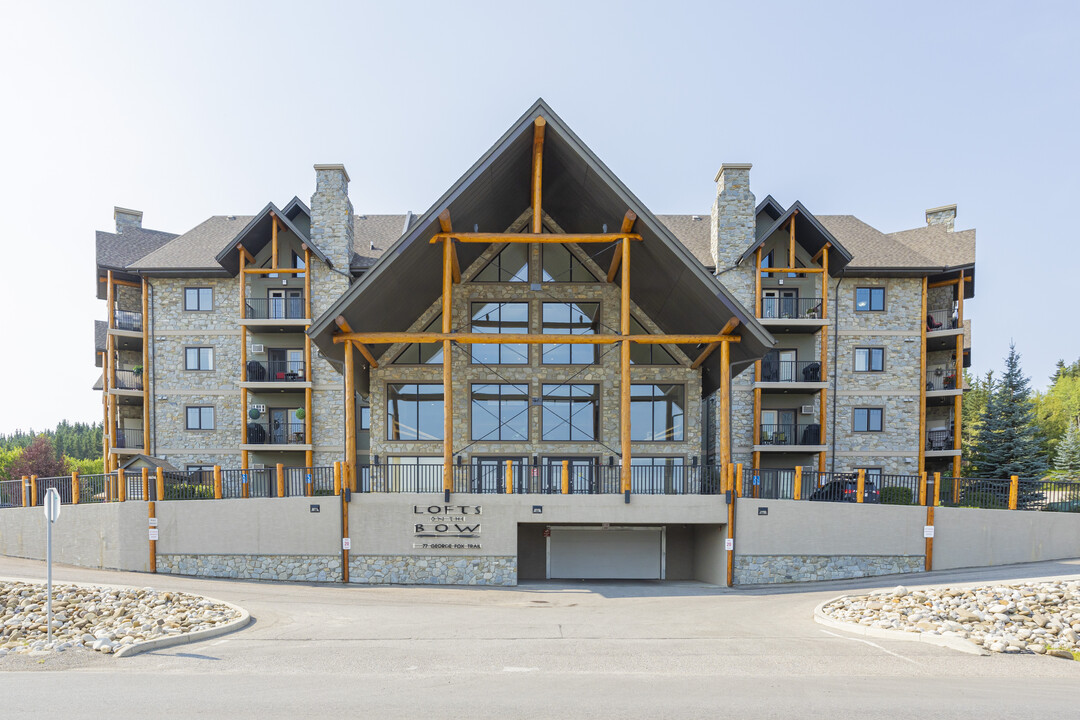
{"type": "Point", "coordinates": [448, 385]}
{"type": "Point", "coordinates": [929, 564]}
{"type": "Point", "coordinates": [922, 380]}
{"type": "Point", "coordinates": [308, 375]}
{"type": "Point", "coordinates": [110, 369]}
{"type": "Point", "coordinates": [860, 487]}
{"type": "Point", "coordinates": [757, 285]}
{"type": "Point", "coordinates": [537, 173]}
{"type": "Point", "coordinates": [274, 242]}
{"type": "Point", "coordinates": [106, 439]}
{"type": "Point", "coordinates": [75, 488]}
{"type": "Point", "coordinates": [624, 370]}
{"type": "Point", "coordinates": [146, 365]}
{"type": "Point", "coordinates": [959, 383]}
{"type": "Point", "coordinates": [145, 483]}
{"type": "Point", "coordinates": [791, 241]}
{"type": "Point", "coordinates": [337, 477]}
{"type": "Point", "coordinates": [796, 491]}
{"type": "Point", "coordinates": [159, 484]}
{"type": "Point", "coordinates": [243, 361]}
{"type": "Point", "coordinates": [725, 403]}
{"type": "Point", "coordinates": [509, 477]}
{"type": "Point", "coordinates": [121, 485]}
{"type": "Point", "coordinates": [823, 333]}
{"type": "Point", "coordinates": [217, 482]}
{"type": "Point", "coordinates": [350, 416]}
{"type": "Point", "coordinates": [280, 474]}
{"type": "Point", "coordinates": [1014, 490]}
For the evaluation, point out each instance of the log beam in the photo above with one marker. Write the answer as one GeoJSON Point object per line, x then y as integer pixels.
{"type": "Point", "coordinates": [537, 173]}
{"type": "Point", "coordinates": [731, 325]}
{"type": "Point", "coordinates": [448, 397]}
{"type": "Point", "coordinates": [447, 228]}
{"type": "Point", "coordinates": [624, 370]}
{"type": "Point", "coordinates": [616, 260]}
{"type": "Point", "coordinates": [390, 338]}
{"type": "Point", "coordinates": [488, 237]}
{"type": "Point", "coordinates": [244, 253]}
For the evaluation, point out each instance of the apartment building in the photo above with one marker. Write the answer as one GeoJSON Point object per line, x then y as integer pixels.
{"type": "Point", "coordinates": [759, 333]}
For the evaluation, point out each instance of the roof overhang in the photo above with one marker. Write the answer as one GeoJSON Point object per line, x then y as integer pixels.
{"type": "Point", "coordinates": [259, 232]}
{"type": "Point", "coordinates": [810, 234]}
{"type": "Point", "coordinates": [666, 281]}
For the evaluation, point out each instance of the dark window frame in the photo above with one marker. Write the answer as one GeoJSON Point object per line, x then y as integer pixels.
{"type": "Point", "coordinates": [649, 349]}
{"type": "Point", "coordinates": [496, 261]}
{"type": "Point", "coordinates": [392, 424]}
{"type": "Point", "coordinates": [200, 408]}
{"type": "Point", "coordinates": [870, 350]}
{"type": "Point", "coordinates": [198, 299]}
{"type": "Point", "coordinates": [869, 410]}
{"type": "Point", "coordinates": [575, 262]}
{"type": "Point", "coordinates": [680, 425]}
{"type": "Point", "coordinates": [578, 349]}
{"type": "Point", "coordinates": [871, 291]}
{"type": "Point", "coordinates": [568, 400]}
{"type": "Point", "coordinates": [199, 356]}
{"type": "Point", "coordinates": [523, 349]}
{"type": "Point", "coordinates": [511, 414]}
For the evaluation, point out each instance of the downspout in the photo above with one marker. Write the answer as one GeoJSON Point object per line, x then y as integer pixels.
{"type": "Point", "coordinates": [835, 370]}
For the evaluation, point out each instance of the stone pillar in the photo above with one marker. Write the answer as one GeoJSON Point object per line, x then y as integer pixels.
{"type": "Point", "coordinates": [332, 215]}
{"type": "Point", "coordinates": [731, 227]}
{"type": "Point", "coordinates": [944, 215]}
{"type": "Point", "coordinates": [126, 218]}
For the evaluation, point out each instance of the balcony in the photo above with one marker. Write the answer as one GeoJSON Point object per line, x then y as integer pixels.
{"type": "Point", "coordinates": [942, 328]}
{"type": "Point", "coordinates": [127, 321]}
{"type": "Point", "coordinates": [939, 443]}
{"type": "Point", "coordinates": [790, 437]}
{"type": "Point", "coordinates": [793, 314]}
{"type": "Point", "coordinates": [790, 375]}
{"type": "Point", "coordinates": [276, 433]}
{"type": "Point", "coordinates": [275, 371]}
{"type": "Point", "coordinates": [128, 380]}
{"type": "Point", "coordinates": [128, 439]}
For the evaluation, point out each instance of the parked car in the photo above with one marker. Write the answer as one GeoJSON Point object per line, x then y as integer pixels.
{"type": "Point", "coordinates": [847, 490]}
{"type": "Point", "coordinates": [1064, 506]}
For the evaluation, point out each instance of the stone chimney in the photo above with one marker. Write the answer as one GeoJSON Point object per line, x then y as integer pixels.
{"type": "Point", "coordinates": [127, 218]}
{"type": "Point", "coordinates": [731, 227]}
{"type": "Point", "coordinates": [944, 215]}
{"type": "Point", "coordinates": [332, 215]}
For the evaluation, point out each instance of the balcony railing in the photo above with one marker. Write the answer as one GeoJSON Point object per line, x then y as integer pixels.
{"type": "Point", "coordinates": [942, 377]}
{"type": "Point", "coordinates": [290, 308]}
{"type": "Point", "coordinates": [276, 433]}
{"type": "Point", "coordinates": [790, 370]}
{"type": "Point", "coordinates": [939, 440]}
{"type": "Point", "coordinates": [791, 434]}
{"type": "Point", "coordinates": [127, 320]}
{"type": "Point", "coordinates": [795, 308]}
{"type": "Point", "coordinates": [275, 371]}
{"type": "Point", "coordinates": [128, 380]}
{"type": "Point", "coordinates": [128, 438]}
{"type": "Point", "coordinates": [943, 319]}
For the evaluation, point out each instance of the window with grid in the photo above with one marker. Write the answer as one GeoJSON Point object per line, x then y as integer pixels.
{"type": "Point", "coordinates": [570, 412]}
{"type": "Point", "coordinates": [510, 265]}
{"type": "Point", "coordinates": [199, 358]}
{"type": "Point", "coordinates": [869, 359]}
{"type": "Point", "coordinates": [414, 412]}
{"type": "Point", "coordinates": [570, 318]}
{"type": "Point", "coordinates": [870, 299]}
{"type": "Point", "coordinates": [500, 412]}
{"type": "Point", "coordinates": [656, 412]}
{"type": "Point", "coordinates": [200, 417]}
{"type": "Point", "coordinates": [502, 318]}
{"type": "Point", "coordinates": [869, 419]}
{"type": "Point", "coordinates": [198, 299]}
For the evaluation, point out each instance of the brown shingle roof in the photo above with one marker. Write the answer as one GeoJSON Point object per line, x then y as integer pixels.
{"type": "Point", "coordinates": [196, 249]}
{"type": "Point", "coordinates": [920, 248]}
{"type": "Point", "coordinates": [693, 232]}
{"type": "Point", "coordinates": [372, 235]}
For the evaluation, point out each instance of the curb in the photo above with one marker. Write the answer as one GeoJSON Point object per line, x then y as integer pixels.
{"type": "Point", "coordinates": [953, 643]}
{"type": "Point", "coordinates": [162, 642]}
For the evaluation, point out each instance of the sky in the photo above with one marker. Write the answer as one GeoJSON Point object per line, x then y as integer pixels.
{"type": "Point", "coordinates": [186, 110]}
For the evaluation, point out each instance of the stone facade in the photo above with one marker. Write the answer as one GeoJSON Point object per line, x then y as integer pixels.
{"type": "Point", "coordinates": [767, 569]}
{"type": "Point", "coordinates": [945, 215]}
{"type": "Point", "coordinates": [295, 568]}
{"type": "Point", "coordinates": [332, 215]}
{"type": "Point", "coordinates": [432, 570]}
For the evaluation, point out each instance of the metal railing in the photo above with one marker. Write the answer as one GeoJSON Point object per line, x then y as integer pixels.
{"type": "Point", "coordinates": [290, 308]}
{"type": "Point", "coordinates": [942, 377]}
{"type": "Point", "coordinates": [941, 319]}
{"type": "Point", "coordinates": [939, 440]}
{"type": "Point", "coordinates": [795, 308]}
{"type": "Point", "coordinates": [128, 380]}
{"type": "Point", "coordinates": [790, 370]}
{"type": "Point", "coordinates": [11, 493]}
{"type": "Point", "coordinates": [127, 320]}
{"type": "Point", "coordinates": [791, 434]}
{"type": "Point", "coordinates": [193, 485]}
{"type": "Point", "coordinates": [275, 371]}
{"type": "Point", "coordinates": [276, 433]}
{"type": "Point", "coordinates": [128, 438]}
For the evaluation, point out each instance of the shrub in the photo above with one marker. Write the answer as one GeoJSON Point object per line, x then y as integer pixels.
{"type": "Point", "coordinates": [188, 491]}
{"type": "Point", "coordinates": [895, 495]}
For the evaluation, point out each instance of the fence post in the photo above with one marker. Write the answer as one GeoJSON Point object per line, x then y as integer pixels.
{"type": "Point", "coordinates": [217, 482]}
{"type": "Point", "coordinates": [738, 479]}
{"type": "Point", "coordinates": [796, 493]}
{"type": "Point", "coordinates": [75, 488]}
{"type": "Point", "coordinates": [1014, 491]}
{"type": "Point", "coordinates": [937, 489]}
{"type": "Point", "coordinates": [146, 483]}
{"type": "Point", "coordinates": [159, 484]}
{"type": "Point", "coordinates": [25, 491]}
{"type": "Point", "coordinates": [509, 477]}
{"type": "Point", "coordinates": [565, 477]}
{"type": "Point", "coordinates": [922, 488]}
{"type": "Point", "coordinates": [955, 491]}
{"type": "Point", "coordinates": [337, 477]}
{"type": "Point", "coordinates": [860, 488]}
{"type": "Point", "coordinates": [281, 480]}
{"type": "Point", "coordinates": [121, 485]}
{"type": "Point", "coordinates": [33, 491]}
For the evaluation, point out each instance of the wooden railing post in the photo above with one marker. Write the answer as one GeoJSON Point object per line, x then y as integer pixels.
{"type": "Point", "coordinates": [1014, 491]}
{"type": "Point", "coordinates": [159, 484]}
{"type": "Point", "coordinates": [738, 475]}
{"type": "Point", "coordinates": [337, 477]}
{"type": "Point", "coordinates": [509, 477]}
{"type": "Point", "coordinates": [75, 488]}
{"type": "Point", "coordinates": [860, 488]}
{"type": "Point", "coordinates": [281, 480]}
{"type": "Point", "coordinates": [121, 485]}
{"type": "Point", "coordinates": [796, 493]}
{"type": "Point", "coordinates": [25, 491]}
{"type": "Point", "coordinates": [922, 487]}
{"type": "Point", "coordinates": [217, 482]}
{"type": "Point", "coordinates": [33, 491]}
{"type": "Point", "coordinates": [146, 483]}
{"type": "Point", "coordinates": [566, 477]}
{"type": "Point", "coordinates": [937, 489]}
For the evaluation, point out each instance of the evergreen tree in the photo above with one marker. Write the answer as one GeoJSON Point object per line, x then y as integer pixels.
{"type": "Point", "coordinates": [1009, 441]}
{"type": "Point", "coordinates": [972, 412]}
{"type": "Point", "coordinates": [1067, 462]}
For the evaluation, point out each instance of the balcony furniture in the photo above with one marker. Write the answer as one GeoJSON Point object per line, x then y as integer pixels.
{"type": "Point", "coordinates": [256, 434]}
{"type": "Point", "coordinates": [256, 372]}
{"type": "Point", "coordinates": [812, 434]}
{"type": "Point", "coordinates": [812, 372]}
{"type": "Point", "coordinates": [931, 323]}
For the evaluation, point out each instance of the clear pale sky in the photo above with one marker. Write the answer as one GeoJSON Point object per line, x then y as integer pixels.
{"type": "Point", "coordinates": [187, 110]}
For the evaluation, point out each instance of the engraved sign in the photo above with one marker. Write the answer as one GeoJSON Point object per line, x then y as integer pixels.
{"type": "Point", "coordinates": [447, 527]}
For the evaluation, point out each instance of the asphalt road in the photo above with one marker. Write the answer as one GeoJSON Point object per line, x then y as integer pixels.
{"type": "Point", "coordinates": [625, 650]}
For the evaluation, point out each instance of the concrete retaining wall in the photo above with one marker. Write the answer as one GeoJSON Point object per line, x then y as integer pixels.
{"type": "Point", "coordinates": [978, 538]}
{"type": "Point", "coordinates": [112, 536]}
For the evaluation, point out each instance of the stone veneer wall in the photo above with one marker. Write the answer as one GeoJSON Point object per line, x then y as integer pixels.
{"type": "Point", "coordinates": [767, 569]}
{"type": "Point", "coordinates": [305, 568]}
{"type": "Point", "coordinates": [433, 570]}
{"type": "Point", "coordinates": [536, 374]}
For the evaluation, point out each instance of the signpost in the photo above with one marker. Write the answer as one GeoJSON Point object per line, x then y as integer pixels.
{"type": "Point", "coordinates": [52, 512]}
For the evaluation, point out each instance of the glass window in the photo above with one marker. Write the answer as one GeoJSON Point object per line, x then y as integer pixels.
{"type": "Point", "coordinates": [200, 299]}
{"type": "Point", "coordinates": [500, 412]}
{"type": "Point", "coordinates": [656, 412]}
{"type": "Point", "coordinates": [423, 353]}
{"type": "Point", "coordinates": [869, 419]}
{"type": "Point", "coordinates": [510, 265]}
{"type": "Point", "coordinates": [198, 358]}
{"type": "Point", "coordinates": [766, 262]}
{"type": "Point", "coordinates": [870, 299]}
{"type": "Point", "coordinates": [560, 265]}
{"type": "Point", "coordinates": [414, 412]}
{"type": "Point", "coordinates": [870, 359]}
{"type": "Point", "coordinates": [571, 412]}
{"type": "Point", "coordinates": [570, 319]}
{"type": "Point", "coordinates": [365, 417]}
{"type": "Point", "coordinates": [298, 263]}
{"type": "Point", "coordinates": [503, 318]}
{"type": "Point", "coordinates": [410, 474]}
{"type": "Point", "coordinates": [641, 354]}
{"type": "Point", "coordinates": [200, 418]}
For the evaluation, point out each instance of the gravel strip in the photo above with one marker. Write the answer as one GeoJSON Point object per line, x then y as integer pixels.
{"type": "Point", "coordinates": [1039, 617]}
{"type": "Point", "coordinates": [99, 618]}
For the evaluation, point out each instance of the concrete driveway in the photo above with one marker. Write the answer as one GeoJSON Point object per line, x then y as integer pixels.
{"type": "Point", "coordinates": [542, 650]}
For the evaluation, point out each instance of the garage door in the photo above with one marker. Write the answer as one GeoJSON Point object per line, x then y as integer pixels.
{"type": "Point", "coordinates": [614, 553]}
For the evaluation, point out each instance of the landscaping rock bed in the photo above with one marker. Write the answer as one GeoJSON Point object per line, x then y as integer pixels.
{"type": "Point", "coordinates": [97, 618]}
{"type": "Point", "coordinates": [1042, 617]}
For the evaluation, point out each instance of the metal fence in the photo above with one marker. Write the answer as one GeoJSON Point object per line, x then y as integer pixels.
{"type": "Point", "coordinates": [791, 308]}
{"type": "Point", "coordinates": [129, 437]}
{"type": "Point", "coordinates": [290, 308]}
{"type": "Point", "coordinates": [276, 433]}
{"type": "Point", "coordinates": [791, 434]}
{"type": "Point", "coordinates": [942, 377]}
{"type": "Point", "coordinates": [128, 380]}
{"type": "Point", "coordinates": [127, 320]}
{"type": "Point", "coordinates": [275, 371]}
{"type": "Point", "coordinates": [941, 319]}
{"type": "Point", "coordinates": [773, 370]}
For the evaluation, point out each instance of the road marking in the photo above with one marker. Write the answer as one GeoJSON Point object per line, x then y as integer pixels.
{"type": "Point", "coordinates": [872, 644]}
{"type": "Point", "coordinates": [520, 669]}
{"type": "Point", "coordinates": [221, 642]}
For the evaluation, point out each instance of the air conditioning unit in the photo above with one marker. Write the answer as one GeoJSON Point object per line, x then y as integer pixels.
{"type": "Point", "coordinates": [807, 409]}
{"type": "Point", "coordinates": [261, 408]}
{"type": "Point", "coordinates": [258, 466]}
{"type": "Point", "coordinates": [258, 348]}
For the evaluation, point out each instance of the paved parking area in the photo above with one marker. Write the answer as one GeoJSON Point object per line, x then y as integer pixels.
{"type": "Point", "coordinates": [627, 650]}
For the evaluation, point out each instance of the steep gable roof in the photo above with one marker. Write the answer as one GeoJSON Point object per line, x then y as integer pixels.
{"type": "Point", "coordinates": [196, 250]}
{"type": "Point", "coordinates": [809, 233]}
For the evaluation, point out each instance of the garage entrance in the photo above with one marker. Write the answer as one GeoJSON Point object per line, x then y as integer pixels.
{"type": "Point", "coordinates": [594, 552]}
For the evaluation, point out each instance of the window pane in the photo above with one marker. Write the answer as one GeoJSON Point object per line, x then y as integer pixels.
{"type": "Point", "coordinates": [860, 360]}
{"type": "Point", "coordinates": [570, 412]}
{"type": "Point", "coordinates": [191, 299]}
{"type": "Point", "coordinates": [191, 359]}
{"type": "Point", "coordinates": [192, 418]}
{"type": "Point", "coordinates": [365, 418]}
{"type": "Point", "coordinates": [510, 265]}
{"type": "Point", "coordinates": [206, 358]}
{"type": "Point", "coordinates": [875, 419]}
{"type": "Point", "coordinates": [862, 299]}
{"type": "Point", "coordinates": [877, 298]}
{"type": "Point", "coordinates": [206, 299]}
{"type": "Point", "coordinates": [570, 319]}
{"type": "Point", "coordinates": [500, 318]}
{"type": "Point", "coordinates": [500, 412]}
{"type": "Point", "coordinates": [877, 359]}
{"type": "Point", "coordinates": [206, 418]}
{"type": "Point", "coordinates": [560, 265]}
{"type": "Point", "coordinates": [860, 419]}
{"type": "Point", "coordinates": [414, 412]}
{"type": "Point", "coordinates": [656, 413]}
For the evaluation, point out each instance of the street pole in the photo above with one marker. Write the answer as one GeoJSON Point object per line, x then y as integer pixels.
{"type": "Point", "coordinates": [48, 560]}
